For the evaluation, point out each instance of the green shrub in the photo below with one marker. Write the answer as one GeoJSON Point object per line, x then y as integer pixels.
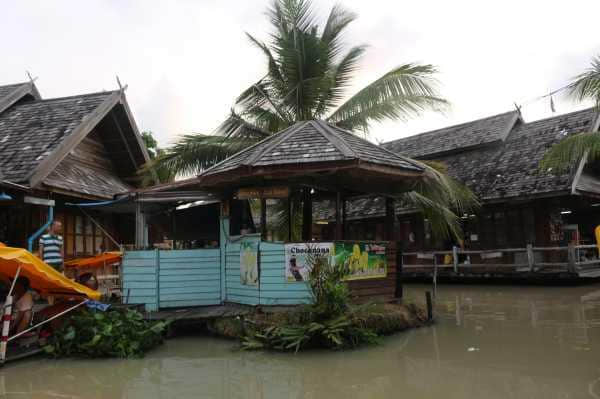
{"type": "Point", "coordinates": [116, 333]}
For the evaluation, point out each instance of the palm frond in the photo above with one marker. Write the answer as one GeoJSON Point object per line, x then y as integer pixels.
{"type": "Point", "coordinates": [195, 152]}
{"type": "Point", "coordinates": [406, 91]}
{"type": "Point", "coordinates": [565, 155]}
{"type": "Point", "coordinates": [587, 85]}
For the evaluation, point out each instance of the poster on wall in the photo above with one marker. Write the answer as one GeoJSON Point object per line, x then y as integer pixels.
{"type": "Point", "coordinates": [364, 260]}
{"type": "Point", "coordinates": [249, 263]}
{"type": "Point", "coordinates": [297, 259]}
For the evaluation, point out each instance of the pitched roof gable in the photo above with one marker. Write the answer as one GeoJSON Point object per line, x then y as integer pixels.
{"type": "Point", "coordinates": [13, 93]}
{"type": "Point", "coordinates": [458, 137]}
{"type": "Point", "coordinates": [36, 136]}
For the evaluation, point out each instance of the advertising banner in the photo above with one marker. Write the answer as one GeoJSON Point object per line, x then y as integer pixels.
{"type": "Point", "coordinates": [297, 259]}
{"type": "Point", "coordinates": [364, 260]}
{"type": "Point", "coordinates": [249, 263]}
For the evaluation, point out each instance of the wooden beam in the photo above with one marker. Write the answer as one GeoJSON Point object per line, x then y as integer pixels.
{"type": "Point", "coordinates": [390, 218]}
{"type": "Point", "coordinates": [49, 163]}
{"type": "Point", "coordinates": [263, 218]}
{"type": "Point", "coordinates": [124, 139]}
{"type": "Point", "coordinates": [307, 215]}
{"type": "Point", "coordinates": [339, 223]}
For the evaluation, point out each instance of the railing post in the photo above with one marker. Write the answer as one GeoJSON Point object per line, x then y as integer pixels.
{"type": "Point", "coordinates": [435, 269]}
{"type": "Point", "coordinates": [455, 258]}
{"type": "Point", "coordinates": [572, 257]}
{"type": "Point", "coordinates": [530, 257]}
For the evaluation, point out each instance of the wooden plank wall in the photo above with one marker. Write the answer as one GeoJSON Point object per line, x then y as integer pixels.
{"type": "Point", "coordinates": [189, 278]}
{"type": "Point", "coordinates": [377, 289]}
{"type": "Point", "coordinates": [235, 292]}
{"type": "Point", "coordinates": [274, 290]}
{"type": "Point", "coordinates": [140, 278]}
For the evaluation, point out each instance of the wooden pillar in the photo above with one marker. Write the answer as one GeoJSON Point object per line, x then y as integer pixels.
{"type": "Point", "coordinates": [339, 222]}
{"type": "Point", "coordinates": [390, 218]}
{"type": "Point", "coordinates": [307, 219]}
{"type": "Point", "coordinates": [290, 218]}
{"type": "Point", "coordinates": [263, 218]}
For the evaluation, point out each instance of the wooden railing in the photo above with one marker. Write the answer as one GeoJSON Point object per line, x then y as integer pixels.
{"type": "Point", "coordinates": [531, 259]}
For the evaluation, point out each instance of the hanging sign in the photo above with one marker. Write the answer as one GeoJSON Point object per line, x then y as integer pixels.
{"type": "Point", "coordinates": [300, 256]}
{"type": "Point", "coordinates": [363, 260]}
{"type": "Point", "coordinates": [249, 263]}
{"type": "Point", "coordinates": [263, 192]}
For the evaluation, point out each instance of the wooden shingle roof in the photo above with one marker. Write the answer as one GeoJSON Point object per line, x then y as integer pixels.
{"type": "Point", "coordinates": [13, 93]}
{"type": "Point", "coordinates": [29, 132]}
{"type": "Point", "coordinates": [312, 142]}
{"type": "Point", "coordinates": [507, 170]}
{"type": "Point", "coordinates": [460, 137]}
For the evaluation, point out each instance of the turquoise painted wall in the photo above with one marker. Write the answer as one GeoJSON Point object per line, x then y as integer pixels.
{"type": "Point", "coordinates": [189, 278]}
{"type": "Point", "coordinates": [274, 290]}
{"type": "Point", "coordinates": [179, 278]}
{"type": "Point", "coordinates": [140, 279]}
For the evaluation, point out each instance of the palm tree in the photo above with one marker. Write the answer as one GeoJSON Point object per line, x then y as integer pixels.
{"type": "Point", "coordinates": [156, 173]}
{"type": "Point", "coordinates": [563, 156]}
{"type": "Point", "coordinates": [309, 72]}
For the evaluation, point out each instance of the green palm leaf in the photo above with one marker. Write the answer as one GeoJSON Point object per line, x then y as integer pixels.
{"type": "Point", "coordinates": [404, 92]}
{"type": "Point", "coordinates": [565, 155]}
{"type": "Point", "coordinates": [587, 85]}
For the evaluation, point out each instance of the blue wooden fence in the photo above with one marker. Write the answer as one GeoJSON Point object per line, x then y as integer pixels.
{"type": "Point", "coordinates": [179, 278]}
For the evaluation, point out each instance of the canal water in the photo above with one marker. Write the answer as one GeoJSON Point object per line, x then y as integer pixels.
{"type": "Point", "coordinates": [489, 342]}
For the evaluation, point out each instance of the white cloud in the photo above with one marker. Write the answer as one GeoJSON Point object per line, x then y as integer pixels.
{"type": "Point", "coordinates": [185, 61]}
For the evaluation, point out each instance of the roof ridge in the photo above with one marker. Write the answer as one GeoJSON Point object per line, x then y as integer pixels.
{"type": "Point", "coordinates": [73, 96]}
{"type": "Point", "coordinates": [379, 147]}
{"type": "Point", "coordinates": [242, 151]}
{"type": "Point", "coordinates": [560, 116]}
{"type": "Point", "coordinates": [276, 140]}
{"type": "Point", "coordinates": [448, 127]}
{"type": "Point", "coordinates": [338, 142]}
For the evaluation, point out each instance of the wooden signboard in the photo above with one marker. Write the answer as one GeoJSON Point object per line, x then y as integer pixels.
{"type": "Point", "coordinates": [263, 192]}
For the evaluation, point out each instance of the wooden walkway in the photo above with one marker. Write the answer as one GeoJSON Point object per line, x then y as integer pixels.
{"type": "Point", "coordinates": [199, 313]}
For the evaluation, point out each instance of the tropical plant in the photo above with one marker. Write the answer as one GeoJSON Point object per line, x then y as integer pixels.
{"type": "Point", "coordinates": [309, 72]}
{"type": "Point", "coordinates": [565, 155]}
{"type": "Point", "coordinates": [116, 333]}
{"type": "Point", "coordinates": [155, 172]}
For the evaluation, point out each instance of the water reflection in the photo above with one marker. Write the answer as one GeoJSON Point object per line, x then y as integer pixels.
{"type": "Point", "coordinates": [489, 342]}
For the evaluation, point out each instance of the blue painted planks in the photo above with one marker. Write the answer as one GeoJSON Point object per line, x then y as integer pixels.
{"type": "Point", "coordinates": [139, 278]}
{"type": "Point", "coordinates": [190, 278]}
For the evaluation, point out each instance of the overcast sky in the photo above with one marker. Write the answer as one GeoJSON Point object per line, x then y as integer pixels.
{"type": "Point", "coordinates": [186, 61]}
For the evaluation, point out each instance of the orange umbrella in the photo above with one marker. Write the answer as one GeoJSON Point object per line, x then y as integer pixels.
{"type": "Point", "coordinates": [107, 258]}
{"type": "Point", "coordinates": [42, 277]}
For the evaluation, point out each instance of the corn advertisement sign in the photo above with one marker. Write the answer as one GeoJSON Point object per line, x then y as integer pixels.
{"type": "Point", "coordinates": [249, 263]}
{"type": "Point", "coordinates": [363, 260]}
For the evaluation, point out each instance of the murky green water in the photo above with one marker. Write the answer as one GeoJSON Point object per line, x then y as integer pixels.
{"type": "Point", "coordinates": [489, 342]}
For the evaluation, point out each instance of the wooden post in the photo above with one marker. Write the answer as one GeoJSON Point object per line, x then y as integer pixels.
{"type": "Point", "coordinates": [429, 305]}
{"type": "Point", "coordinates": [290, 218]}
{"type": "Point", "coordinates": [263, 218]}
{"type": "Point", "coordinates": [6, 317]}
{"type": "Point", "coordinates": [435, 267]}
{"type": "Point", "coordinates": [572, 258]}
{"type": "Point", "coordinates": [339, 223]}
{"type": "Point", "coordinates": [530, 257]}
{"type": "Point", "coordinates": [390, 217]}
{"type": "Point", "coordinates": [307, 219]}
{"type": "Point", "coordinates": [455, 258]}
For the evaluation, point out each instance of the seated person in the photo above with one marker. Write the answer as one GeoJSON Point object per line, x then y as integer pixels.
{"type": "Point", "coordinates": [22, 312]}
{"type": "Point", "coordinates": [89, 280]}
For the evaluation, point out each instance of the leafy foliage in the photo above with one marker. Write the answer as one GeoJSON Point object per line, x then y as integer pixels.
{"type": "Point", "coordinates": [114, 333]}
{"type": "Point", "coordinates": [565, 155]}
{"type": "Point", "coordinates": [154, 172]}
{"type": "Point", "coordinates": [324, 324]}
{"type": "Point", "coordinates": [308, 73]}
